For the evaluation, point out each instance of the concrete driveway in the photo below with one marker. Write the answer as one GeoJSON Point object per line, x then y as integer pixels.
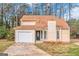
{"type": "Point", "coordinates": [25, 49]}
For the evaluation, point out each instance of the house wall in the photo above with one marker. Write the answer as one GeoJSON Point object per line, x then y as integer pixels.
{"type": "Point", "coordinates": [51, 31]}
{"type": "Point", "coordinates": [32, 31]}
{"type": "Point", "coordinates": [28, 23]}
{"type": "Point", "coordinates": [65, 35]}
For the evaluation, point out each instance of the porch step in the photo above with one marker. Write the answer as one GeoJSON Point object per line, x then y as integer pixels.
{"type": "Point", "coordinates": [39, 41]}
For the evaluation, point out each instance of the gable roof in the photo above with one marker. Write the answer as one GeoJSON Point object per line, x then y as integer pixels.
{"type": "Point", "coordinates": [42, 21]}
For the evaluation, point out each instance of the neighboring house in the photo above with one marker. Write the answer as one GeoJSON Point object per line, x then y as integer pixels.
{"type": "Point", "coordinates": [43, 28]}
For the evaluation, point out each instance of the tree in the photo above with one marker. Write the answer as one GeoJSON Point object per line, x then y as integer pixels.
{"type": "Point", "coordinates": [1, 14]}
{"type": "Point", "coordinates": [6, 10]}
{"type": "Point", "coordinates": [22, 10]}
{"type": "Point", "coordinates": [74, 27]}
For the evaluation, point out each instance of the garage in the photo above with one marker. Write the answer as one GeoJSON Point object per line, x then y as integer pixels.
{"type": "Point", "coordinates": [25, 36]}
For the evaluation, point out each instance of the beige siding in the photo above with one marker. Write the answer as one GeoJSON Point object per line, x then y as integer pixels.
{"type": "Point", "coordinates": [51, 30]}
{"type": "Point", "coordinates": [65, 35]}
{"type": "Point", "coordinates": [27, 23]}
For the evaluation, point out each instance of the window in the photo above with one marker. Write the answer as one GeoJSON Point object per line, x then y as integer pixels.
{"type": "Point", "coordinates": [57, 34]}
{"type": "Point", "coordinates": [38, 34]}
{"type": "Point", "coordinates": [45, 34]}
{"type": "Point", "coordinates": [41, 34]}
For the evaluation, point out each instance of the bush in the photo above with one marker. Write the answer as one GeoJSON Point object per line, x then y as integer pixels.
{"type": "Point", "coordinates": [73, 35]}
{"type": "Point", "coordinates": [10, 35]}
{"type": "Point", "coordinates": [2, 32]}
{"type": "Point", "coordinates": [6, 33]}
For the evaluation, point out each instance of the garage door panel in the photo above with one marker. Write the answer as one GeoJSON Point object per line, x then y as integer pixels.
{"type": "Point", "coordinates": [25, 36]}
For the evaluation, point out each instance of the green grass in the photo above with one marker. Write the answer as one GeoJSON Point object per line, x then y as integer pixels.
{"type": "Point", "coordinates": [59, 49]}
{"type": "Point", "coordinates": [4, 44]}
{"type": "Point", "coordinates": [73, 50]}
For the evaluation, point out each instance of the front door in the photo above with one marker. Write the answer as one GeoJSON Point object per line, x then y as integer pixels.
{"type": "Point", "coordinates": [37, 35]}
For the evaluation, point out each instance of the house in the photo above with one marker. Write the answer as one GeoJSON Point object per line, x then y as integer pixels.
{"type": "Point", "coordinates": [42, 28]}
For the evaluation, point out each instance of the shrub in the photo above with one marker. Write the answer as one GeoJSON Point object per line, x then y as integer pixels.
{"type": "Point", "coordinates": [2, 32]}
{"type": "Point", "coordinates": [73, 35]}
{"type": "Point", "coordinates": [10, 35]}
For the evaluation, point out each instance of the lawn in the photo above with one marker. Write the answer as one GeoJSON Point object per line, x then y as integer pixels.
{"type": "Point", "coordinates": [4, 44]}
{"type": "Point", "coordinates": [59, 49]}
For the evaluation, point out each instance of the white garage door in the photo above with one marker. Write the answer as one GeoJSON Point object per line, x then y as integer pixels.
{"type": "Point", "coordinates": [25, 36]}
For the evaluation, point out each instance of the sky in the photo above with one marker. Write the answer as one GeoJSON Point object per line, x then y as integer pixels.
{"type": "Point", "coordinates": [75, 13]}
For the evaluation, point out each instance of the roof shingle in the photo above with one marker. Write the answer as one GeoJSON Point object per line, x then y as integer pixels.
{"type": "Point", "coordinates": [42, 22]}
